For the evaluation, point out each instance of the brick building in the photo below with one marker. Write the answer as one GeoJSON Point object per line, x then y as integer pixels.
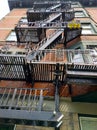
{"type": "Point", "coordinates": [76, 95]}
{"type": "Point", "coordinates": [27, 4]}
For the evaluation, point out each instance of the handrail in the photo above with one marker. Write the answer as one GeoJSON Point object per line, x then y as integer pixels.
{"type": "Point", "coordinates": [66, 56]}
{"type": "Point", "coordinates": [56, 25]}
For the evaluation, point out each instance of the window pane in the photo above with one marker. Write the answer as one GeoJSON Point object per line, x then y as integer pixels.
{"type": "Point", "coordinates": [79, 14]}
{"type": "Point", "coordinates": [87, 28]}
{"type": "Point", "coordinates": [78, 58]}
{"type": "Point", "coordinates": [86, 31]}
{"type": "Point", "coordinates": [75, 5]}
{"type": "Point", "coordinates": [86, 25]}
{"type": "Point", "coordinates": [88, 123]}
{"type": "Point", "coordinates": [12, 37]}
{"type": "Point", "coordinates": [24, 20]}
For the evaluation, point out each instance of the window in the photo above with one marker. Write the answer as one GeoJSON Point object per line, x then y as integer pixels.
{"type": "Point", "coordinates": [87, 28]}
{"type": "Point", "coordinates": [77, 48]}
{"type": "Point", "coordinates": [29, 35]}
{"type": "Point", "coordinates": [88, 123]}
{"type": "Point", "coordinates": [78, 58]}
{"type": "Point", "coordinates": [12, 36]}
{"type": "Point", "coordinates": [20, 53]}
{"type": "Point", "coordinates": [75, 5]}
{"type": "Point", "coordinates": [9, 52]}
{"type": "Point", "coordinates": [91, 46]}
{"type": "Point", "coordinates": [24, 19]}
{"type": "Point", "coordinates": [80, 14]}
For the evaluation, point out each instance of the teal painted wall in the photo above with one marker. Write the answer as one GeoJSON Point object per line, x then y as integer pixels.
{"type": "Point", "coordinates": [89, 97]}
{"type": "Point", "coordinates": [6, 127]}
{"type": "Point", "coordinates": [77, 45]}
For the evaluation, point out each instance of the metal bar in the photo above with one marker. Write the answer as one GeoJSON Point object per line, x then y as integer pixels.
{"type": "Point", "coordinates": [24, 97]}
{"type": "Point", "coordinates": [57, 74]}
{"type": "Point", "coordinates": [19, 97]}
{"type": "Point", "coordinates": [40, 104]}
{"type": "Point", "coordinates": [29, 99]}
{"type": "Point", "coordinates": [34, 100]}
{"type": "Point", "coordinates": [6, 101]}
{"type": "Point", "coordinates": [1, 100]}
{"type": "Point", "coordinates": [13, 97]}
{"type": "Point", "coordinates": [33, 115]}
{"type": "Point", "coordinates": [64, 73]}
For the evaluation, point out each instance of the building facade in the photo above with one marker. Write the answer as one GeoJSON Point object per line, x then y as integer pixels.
{"type": "Point", "coordinates": [27, 4]}
{"type": "Point", "coordinates": [78, 88]}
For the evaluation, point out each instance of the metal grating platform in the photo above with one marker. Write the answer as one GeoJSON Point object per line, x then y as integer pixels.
{"type": "Point", "coordinates": [21, 98]}
{"type": "Point", "coordinates": [26, 104]}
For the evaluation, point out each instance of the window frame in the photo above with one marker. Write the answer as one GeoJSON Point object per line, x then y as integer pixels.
{"type": "Point", "coordinates": [91, 28]}
{"type": "Point", "coordinates": [24, 20]}
{"type": "Point", "coordinates": [11, 36]}
{"type": "Point", "coordinates": [81, 14]}
{"type": "Point", "coordinates": [86, 118]}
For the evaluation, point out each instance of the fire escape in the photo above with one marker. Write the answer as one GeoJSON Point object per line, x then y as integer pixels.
{"type": "Point", "coordinates": [27, 105]}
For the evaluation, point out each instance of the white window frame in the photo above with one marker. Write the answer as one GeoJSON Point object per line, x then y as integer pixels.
{"type": "Point", "coordinates": [80, 14]}
{"type": "Point", "coordinates": [87, 28]}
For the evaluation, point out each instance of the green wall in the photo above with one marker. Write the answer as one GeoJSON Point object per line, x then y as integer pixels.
{"type": "Point", "coordinates": [89, 97]}
{"type": "Point", "coordinates": [6, 127]}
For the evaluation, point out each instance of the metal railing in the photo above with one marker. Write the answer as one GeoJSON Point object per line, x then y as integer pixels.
{"type": "Point", "coordinates": [87, 56]}
{"type": "Point", "coordinates": [55, 25]}
{"type": "Point", "coordinates": [65, 56]}
{"type": "Point", "coordinates": [22, 98]}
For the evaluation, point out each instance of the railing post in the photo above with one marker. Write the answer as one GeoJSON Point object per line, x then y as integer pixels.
{"type": "Point", "coordinates": [57, 85]}
{"type": "Point", "coordinates": [27, 72]}
{"type": "Point", "coordinates": [64, 74]}
{"type": "Point", "coordinates": [65, 38]}
{"type": "Point", "coordinates": [40, 101]}
{"type": "Point", "coordinates": [57, 128]}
